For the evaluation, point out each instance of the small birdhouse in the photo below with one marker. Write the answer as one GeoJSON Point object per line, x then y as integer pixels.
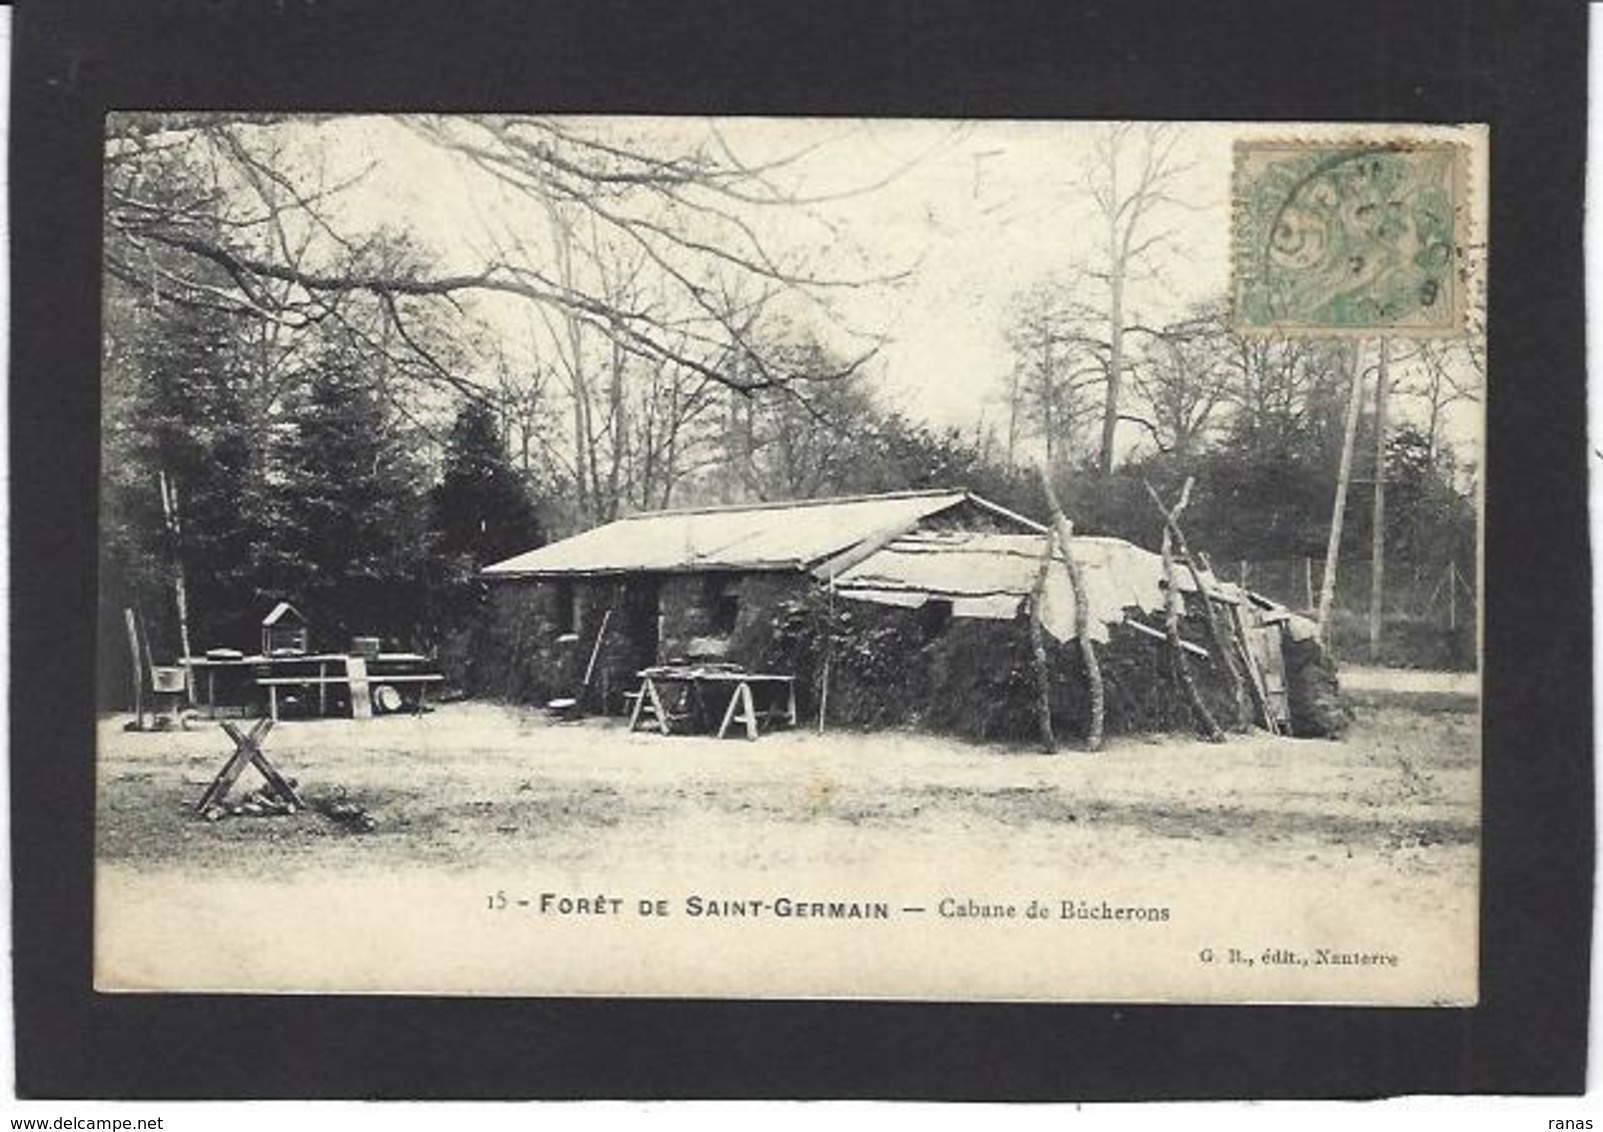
{"type": "Point", "coordinates": [284, 631]}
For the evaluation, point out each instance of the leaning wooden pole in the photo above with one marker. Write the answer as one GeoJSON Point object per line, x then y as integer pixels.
{"type": "Point", "coordinates": [1260, 698]}
{"type": "Point", "coordinates": [1043, 676]}
{"type": "Point", "coordinates": [1226, 649]}
{"type": "Point", "coordinates": [1182, 667]}
{"type": "Point", "coordinates": [1327, 585]}
{"type": "Point", "coordinates": [595, 653]}
{"type": "Point", "coordinates": [138, 670]}
{"type": "Point", "coordinates": [1082, 616]}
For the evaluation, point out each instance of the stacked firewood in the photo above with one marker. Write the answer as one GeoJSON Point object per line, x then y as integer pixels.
{"type": "Point", "coordinates": [264, 803]}
{"type": "Point", "coordinates": [261, 803]}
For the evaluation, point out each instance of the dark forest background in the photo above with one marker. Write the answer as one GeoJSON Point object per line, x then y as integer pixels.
{"type": "Point", "coordinates": [290, 413]}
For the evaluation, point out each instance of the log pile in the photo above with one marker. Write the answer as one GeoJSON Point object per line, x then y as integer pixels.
{"type": "Point", "coordinates": [262, 803]}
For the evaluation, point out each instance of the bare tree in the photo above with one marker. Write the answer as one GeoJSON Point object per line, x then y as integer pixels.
{"type": "Point", "coordinates": [260, 241]}
{"type": "Point", "coordinates": [1131, 180]}
{"type": "Point", "coordinates": [1444, 374]}
{"type": "Point", "coordinates": [1284, 392]}
{"type": "Point", "coordinates": [1185, 381]}
{"type": "Point", "coordinates": [805, 448]}
{"type": "Point", "coordinates": [670, 423]}
{"type": "Point", "coordinates": [1055, 367]}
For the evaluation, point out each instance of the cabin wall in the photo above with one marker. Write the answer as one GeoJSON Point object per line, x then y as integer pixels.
{"type": "Point", "coordinates": [521, 656]}
{"type": "Point", "coordinates": [696, 614]}
{"type": "Point", "coordinates": [913, 668]}
{"type": "Point", "coordinates": [539, 634]}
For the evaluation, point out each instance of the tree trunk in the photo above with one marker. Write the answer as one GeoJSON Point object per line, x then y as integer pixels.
{"type": "Point", "coordinates": [138, 670]}
{"type": "Point", "coordinates": [1013, 417]}
{"type": "Point", "coordinates": [583, 436]}
{"type": "Point", "coordinates": [1064, 531]}
{"type": "Point", "coordinates": [617, 410]}
{"type": "Point", "coordinates": [1043, 678]}
{"type": "Point", "coordinates": [169, 510]}
{"type": "Point", "coordinates": [1110, 409]}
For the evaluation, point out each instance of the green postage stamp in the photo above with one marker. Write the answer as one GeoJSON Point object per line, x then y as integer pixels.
{"type": "Point", "coordinates": [1349, 238]}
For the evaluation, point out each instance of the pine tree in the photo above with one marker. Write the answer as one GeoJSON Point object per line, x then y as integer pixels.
{"type": "Point", "coordinates": [177, 409]}
{"type": "Point", "coordinates": [348, 545]}
{"type": "Point", "coordinates": [482, 510]}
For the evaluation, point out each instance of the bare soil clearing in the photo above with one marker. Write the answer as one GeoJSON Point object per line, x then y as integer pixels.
{"type": "Point", "coordinates": [473, 784]}
{"type": "Point", "coordinates": [1266, 845]}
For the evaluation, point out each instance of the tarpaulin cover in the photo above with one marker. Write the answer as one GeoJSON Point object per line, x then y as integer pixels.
{"type": "Point", "coordinates": [989, 575]}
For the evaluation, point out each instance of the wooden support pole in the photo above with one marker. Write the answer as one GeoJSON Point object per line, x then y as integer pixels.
{"type": "Point", "coordinates": [1216, 636]}
{"type": "Point", "coordinates": [1327, 583]}
{"type": "Point", "coordinates": [1082, 616]}
{"type": "Point", "coordinates": [1238, 634]}
{"type": "Point", "coordinates": [1260, 697]}
{"type": "Point", "coordinates": [1182, 666]}
{"type": "Point", "coordinates": [829, 652]}
{"type": "Point", "coordinates": [138, 669]}
{"type": "Point", "coordinates": [590, 668]}
{"type": "Point", "coordinates": [595, 650]}
{"type": "Point", "coordinates": [1377, 528]}
{"type": "Point", "coordinates": [1158, 635]}
{"type": "Point", "coordinates": [1043, 678]}
{"type": "Point", "coordinates": [144, 644]}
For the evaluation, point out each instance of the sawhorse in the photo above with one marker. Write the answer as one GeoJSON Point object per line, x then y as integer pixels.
{"type": "Point", "coordinates": [650, 706]}
{"type": "Point", "coordinates": [247, 751]}
{"type": "Point", "coordinates": [743, 706]}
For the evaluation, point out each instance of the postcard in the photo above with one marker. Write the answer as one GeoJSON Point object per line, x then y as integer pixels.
{"type": "Point", "coordinates": [911, 559]}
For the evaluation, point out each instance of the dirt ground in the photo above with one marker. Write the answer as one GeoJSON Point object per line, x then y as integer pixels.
{"type": "Point", "coordinates": [1390, 815]}
{"type": "Point", "coordinates": [470, 783]}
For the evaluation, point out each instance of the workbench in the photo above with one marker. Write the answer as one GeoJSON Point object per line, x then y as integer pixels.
{"type": "Point", "coordinates": [687, 694]}
{"type": "Point", "coordinates": [353, 678]}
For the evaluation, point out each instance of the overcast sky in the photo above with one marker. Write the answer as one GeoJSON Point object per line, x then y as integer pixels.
{"type": "Point", "coordinates": [973, 211]}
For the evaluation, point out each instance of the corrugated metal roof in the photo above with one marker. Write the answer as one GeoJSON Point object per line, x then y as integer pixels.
{"type": "Point", "coordinates": [776, 536]}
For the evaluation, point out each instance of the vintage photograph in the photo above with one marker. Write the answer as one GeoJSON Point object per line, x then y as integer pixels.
{"type": "Point", "coordinates": [791, 558]}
